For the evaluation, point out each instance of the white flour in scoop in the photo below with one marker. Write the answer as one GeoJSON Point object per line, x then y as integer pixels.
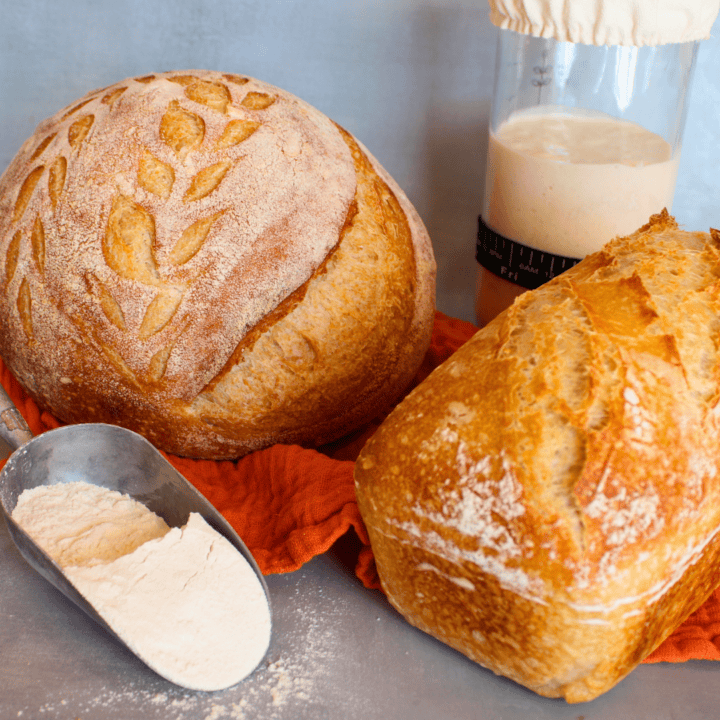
{"type": "Point", "coordinates": [183, 599]}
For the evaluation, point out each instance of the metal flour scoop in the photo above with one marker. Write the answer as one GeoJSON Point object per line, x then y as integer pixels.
{"type": "Point", "coordinates": [105, 455]}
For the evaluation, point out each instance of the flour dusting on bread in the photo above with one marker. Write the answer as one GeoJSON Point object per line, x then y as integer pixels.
{"type": "Point", "coordinates": [566, 468]}
{"type": "Point", "coordinates": [157, 233]}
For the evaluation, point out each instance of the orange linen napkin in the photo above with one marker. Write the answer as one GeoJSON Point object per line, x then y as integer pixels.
{"type": "Point", "coordinates": [290, 504]}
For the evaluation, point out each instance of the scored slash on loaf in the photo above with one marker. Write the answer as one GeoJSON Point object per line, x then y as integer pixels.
{"type": "Point", "coordinates": [208, 260]}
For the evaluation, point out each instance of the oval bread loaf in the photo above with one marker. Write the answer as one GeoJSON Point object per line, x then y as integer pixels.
{"type": "Point", "coordinates": [548, 500]}
{"type": "Point", "coordinates": [210, 261]}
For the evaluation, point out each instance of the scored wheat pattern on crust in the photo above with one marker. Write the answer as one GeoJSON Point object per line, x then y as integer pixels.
{"type": "Point", "coordinates": [79, 130]}
{"type": "Point", "coordinates": [129, 240]}
{"type": "Point", "coordinates": [37, 242]}
{"type": "Point", "coordinates": [155, 176]}
{"type": "Point", "coordinates": [57, 170]}
{"type": "Point", "coordinates": [11, 256]}
{"type": "Point", "coordinates": [56, 179]}
{"type": "Point", "coordinates": [110, 306]}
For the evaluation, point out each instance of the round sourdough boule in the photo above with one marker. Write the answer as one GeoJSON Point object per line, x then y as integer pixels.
{"type": "Point", "coordinates": [209, 261]}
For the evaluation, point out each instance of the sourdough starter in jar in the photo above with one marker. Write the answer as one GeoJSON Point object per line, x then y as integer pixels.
{"type": "Point", "coordinates": [566, 182]}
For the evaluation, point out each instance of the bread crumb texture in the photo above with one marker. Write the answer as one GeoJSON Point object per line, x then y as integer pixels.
{"type": "Point", "coordinates": [211, 262]}
{"type": "Point", "coordinates": [548, 500]}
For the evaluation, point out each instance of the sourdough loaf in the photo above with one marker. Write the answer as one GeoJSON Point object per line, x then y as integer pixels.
{"type": "Point", "coordinates": [548, 500]}
{"type": "Point", "coordinates": [210, 261]}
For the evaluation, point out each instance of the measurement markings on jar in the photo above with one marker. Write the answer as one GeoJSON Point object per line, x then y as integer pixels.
{"type": "Point", "coordinates": [518, 263]}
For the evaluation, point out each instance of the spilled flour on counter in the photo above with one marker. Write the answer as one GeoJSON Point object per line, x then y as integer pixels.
{"type": "Point", "coordinates": [184, 600]}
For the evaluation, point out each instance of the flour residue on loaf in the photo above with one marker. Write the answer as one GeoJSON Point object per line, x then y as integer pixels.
{"type": "Point", "coordinates": [511, 577]}
{"type": "Point", "coordinates": [269, 175]}
{"type": "Point", "coordinates": [635, 491]}
{"type": "Point", "coordinates": [642, 421]}
{"type": "Point", "coordinates": [682, 559]}
{"type": "Point", "coordinates": [625, 515]}
{"type": "Point", "coordinates": [462, 582]}
{"type": "Point", "coordinates": [471, 519]}
{"type": "Point", "coordinates": [600, 391]}
{"type": "Point", "coordinates": [185, 601]}
{"type": "Point", "coordinates": [150, 250]}
{"type": "Point", "coordinates": [479, 494]}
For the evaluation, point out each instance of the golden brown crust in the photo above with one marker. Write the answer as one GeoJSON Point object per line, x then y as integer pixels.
{"type": "Point", "coordinates": [548, 500]}
{"type": "Point", "coordinates": [155, 234]}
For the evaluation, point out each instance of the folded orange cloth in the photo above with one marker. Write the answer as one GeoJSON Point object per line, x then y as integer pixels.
{"type": "Point", "coordinates": [290, 504]}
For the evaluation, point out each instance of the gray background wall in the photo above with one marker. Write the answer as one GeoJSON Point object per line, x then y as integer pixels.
{"type": "Point", "coordinates": [411, 78]}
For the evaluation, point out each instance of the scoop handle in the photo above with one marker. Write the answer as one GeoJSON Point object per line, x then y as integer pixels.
{"type": "Point", "coordinates": [13, 428]}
